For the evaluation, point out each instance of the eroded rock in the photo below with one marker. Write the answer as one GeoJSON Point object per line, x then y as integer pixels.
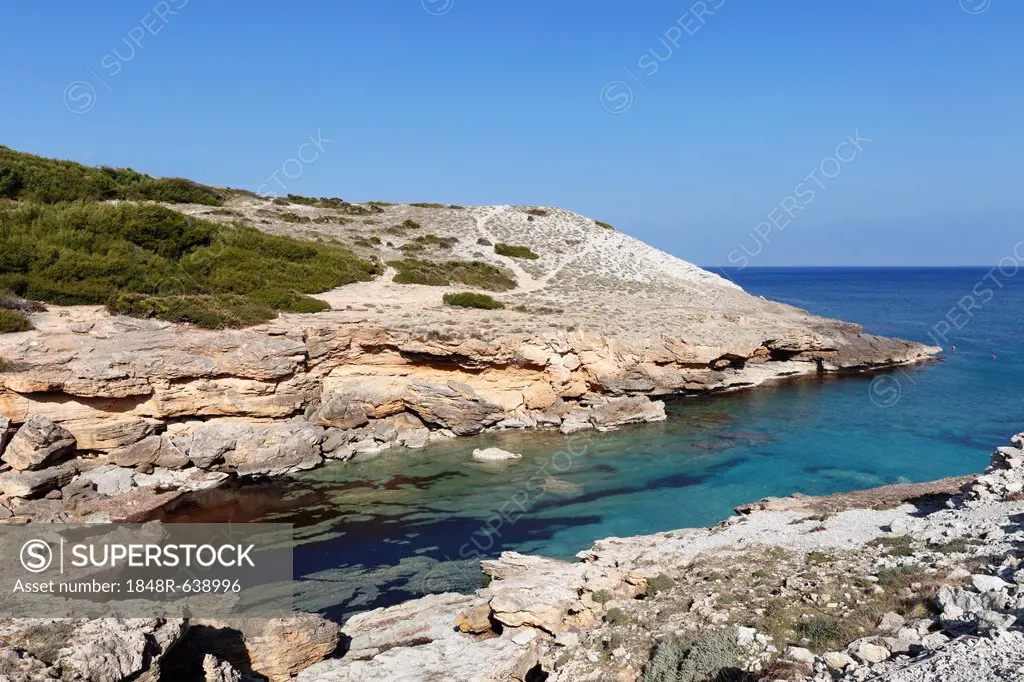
{"type": "Point", "coordinates": [39, 443]}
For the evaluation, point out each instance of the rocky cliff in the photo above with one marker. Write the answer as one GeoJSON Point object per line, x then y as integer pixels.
{"type": "Point", "coordinates": [594, 324]}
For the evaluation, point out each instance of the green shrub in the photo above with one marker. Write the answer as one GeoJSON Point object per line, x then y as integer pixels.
{"type": "Point", "coordinates": [27, 177]}
{"type": "Point", "coordinates": [294, 218]}
{"type": "Point", "coordinates": [821, 632]}
{"type": "Point", "coordinates": [540, 212]}
{"type": "Point", "coordinates": [470, 299]}
{"type": "Point", "coordinates": [659, 583]}
{"type": "Point", "coordinates": [616, 616]}
{"type": "Point", "coordinates": [409, 225]}
{"type": "Point", "coordinates": [424, 205]}
{"type": "Point", "coordinates": [470, 273]}
{"type": "Point", "coordinates": [514, 251]}
{"type": "Point", "coordinates": [711, 658]}
{"type": "Point", "coordinates": [604, 225]}
{"type": "Point", "coordinates": [434, 240]}
{"type": "Point", "coordinates": [6, 365]}
{"type": "Point", "coordinates": [133, 257]}
{"type": "Point", "coordinates": [602, 596]}
{"type": "Point", "coordinates": [13, 321]}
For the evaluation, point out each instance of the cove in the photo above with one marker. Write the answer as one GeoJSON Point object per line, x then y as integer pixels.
{"type": "Point", "coordinates": [379, 531]}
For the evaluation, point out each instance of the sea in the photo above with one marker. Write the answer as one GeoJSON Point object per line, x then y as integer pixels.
{"type": "Point", "coordinates": [407, 523]}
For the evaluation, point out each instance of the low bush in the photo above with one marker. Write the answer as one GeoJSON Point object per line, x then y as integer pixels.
{"type": "Point", "coordinates": [294, 218]}
{"type": "Point", "coordinates": [13, 321]}
{"type": "Point", "coordinates": [425, 205]}
{"type": "Point", "coordinates": [514, 251]}
{"type": "Point", "coordinates": [27, 177]}
{"type": "Point", "coordinates": [659, 583]}
{"type": "Point", "coordinates": [713, 658]}
{"type": "Point", "coordinates": [471, 273]}
{"type": "Point", "coordinates": [469, 299]}
{"type": "Point", "coordinates": [434, 240]}
{"type": "Point", "coordinates": [539, 212]}
{"type": "Point", "coordinates": [616, 616]}
{"type": "Point", "coordinates": [604, 225]}
{"type": "Point", "coordinates": [148, 260]}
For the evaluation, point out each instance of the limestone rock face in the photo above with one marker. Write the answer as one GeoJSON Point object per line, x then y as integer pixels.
{"type": "Point", "coordinates": [276, 648]}
{"type": "Point", "coordinates": [277, 450]}
{"type": "Point", "coordinates": [39, 443]}
{"type": "Point", "coordinates": [627, 410]}
{"type": "Point", "coordinates": [456, 406]}
{"type": "Point", "coordinates": [154, 451]}
{"type": "Point", "coordinates": [112, 649]}
{"type": "Point", "coordinates": [341, 414]}
{"type": "Point", "coordinates": [6, 433]}
{"type": "Point", "coordinates": [35, 483]}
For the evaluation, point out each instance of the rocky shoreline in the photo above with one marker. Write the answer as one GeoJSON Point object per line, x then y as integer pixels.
{"type": "Point", "coordinates": [900, 583]}
{"type": "Point", "coordinates": [118, 417]}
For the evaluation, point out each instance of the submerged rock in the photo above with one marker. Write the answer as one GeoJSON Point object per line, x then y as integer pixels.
{"type": "Point", "coordinates": [494, 455]}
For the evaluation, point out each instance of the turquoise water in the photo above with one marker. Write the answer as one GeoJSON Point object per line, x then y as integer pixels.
{"type": "Point", "coordinates": [410, 522]}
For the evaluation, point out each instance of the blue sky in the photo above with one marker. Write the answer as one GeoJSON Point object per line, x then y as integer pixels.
{"type": "Point", "coordinates": [731, 105]}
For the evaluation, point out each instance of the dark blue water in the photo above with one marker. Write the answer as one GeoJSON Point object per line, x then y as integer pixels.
{"type": "Point", "coordinates": [380, 531]}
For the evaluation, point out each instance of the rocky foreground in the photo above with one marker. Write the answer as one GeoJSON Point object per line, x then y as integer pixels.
{"type": "Point", "coordinates": [904, 583]}
{"type": "Point", "coordinates": [111, 417]}
{"type": "Point", "coordinates": [901, 583]}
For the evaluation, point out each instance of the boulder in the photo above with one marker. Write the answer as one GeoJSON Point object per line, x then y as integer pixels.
{"type": "Point", "coordinates": [110, 480]}
{"type": "Point", "coordinates": [474, 620]}
{"type": "Point", "coordinates": [837, 660]}
{"type": "Point", "coordinates": [340, 413]}
{"type": "Point", "coordinates": [39, 443]}
{"type": "Point", "coordinates": [219, 671]}
{"type": "Point", "coordinates": [627, 410]}
{"type": "Point", "coordinates": [35, 483]}
{"type": "Point", "coordinates": [276, 648]}
{"type": "Point", "coordinates": [186, 480]}
{"type": "Point", "coordinates": [280, 449]}
{"type": "Point", "coordinates": [207, 444]}
{"type": "Point", "coordinates": [336, 444]}
{"type": "Point", "coordinates": [154, 451]}
{"type": "Point", "coordinates": [494, 455]}
{"type": "Point", "coordinates": [109, 435]}
{"type": "Point", "coordinates": [539, 396]}
{"type": "Point", "coordinates": [799, 655]}
{"type": "Point", "coordinates": [455, 406]}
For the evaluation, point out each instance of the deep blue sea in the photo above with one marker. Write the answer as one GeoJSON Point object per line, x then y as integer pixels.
{"type": "Point", "coordinates": [381, 531]}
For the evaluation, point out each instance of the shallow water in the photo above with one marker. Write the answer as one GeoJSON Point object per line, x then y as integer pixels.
{"type": "Point", "coordinates": [405, 523]}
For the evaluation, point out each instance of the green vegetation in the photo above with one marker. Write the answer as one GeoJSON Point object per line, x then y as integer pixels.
{"type": "Point", "coordinates": [821, 632]}
{"type": "Point", "coordinates": [13, 321]}
{"type": "Point", "coordinates": [539, 212]}
{"type": "Point", "coordinates": [604, 225]}
{"type": "Point", "coordinates": [468, 299]}
{"type": "Point", "coordinates": [294, 218]}
{"type": "Point", "coordinates": [6, 365]}
{"type": "Point", "coordinates": [659, 583]}
{"type": "Point", "coordinates": [26, 177]}
{"type": "Point", "coordinates": [434, 240]}
{"type": "Point", "coordinates": [895, 545]}
{"type": "Point", "coordinates": [425, 205]}
{"type": "Point", "coordinates": [471, 273]}
{"type": "Point", "coordinates": [616, 616]}
{"type": "Point", "coordinates": [514, 251]}
{"type": "Point", "coordinates": [409, 225]}
{"type": "Point", "coordinates": [602, 596]}
{"type": "Point", "coordinates": [711, 658]}
{"type": "Point", "coordinates": [148, 260]}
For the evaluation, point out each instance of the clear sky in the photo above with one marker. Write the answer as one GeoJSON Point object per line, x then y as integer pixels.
{"type": "Point", "coordinates": [686, 125]}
